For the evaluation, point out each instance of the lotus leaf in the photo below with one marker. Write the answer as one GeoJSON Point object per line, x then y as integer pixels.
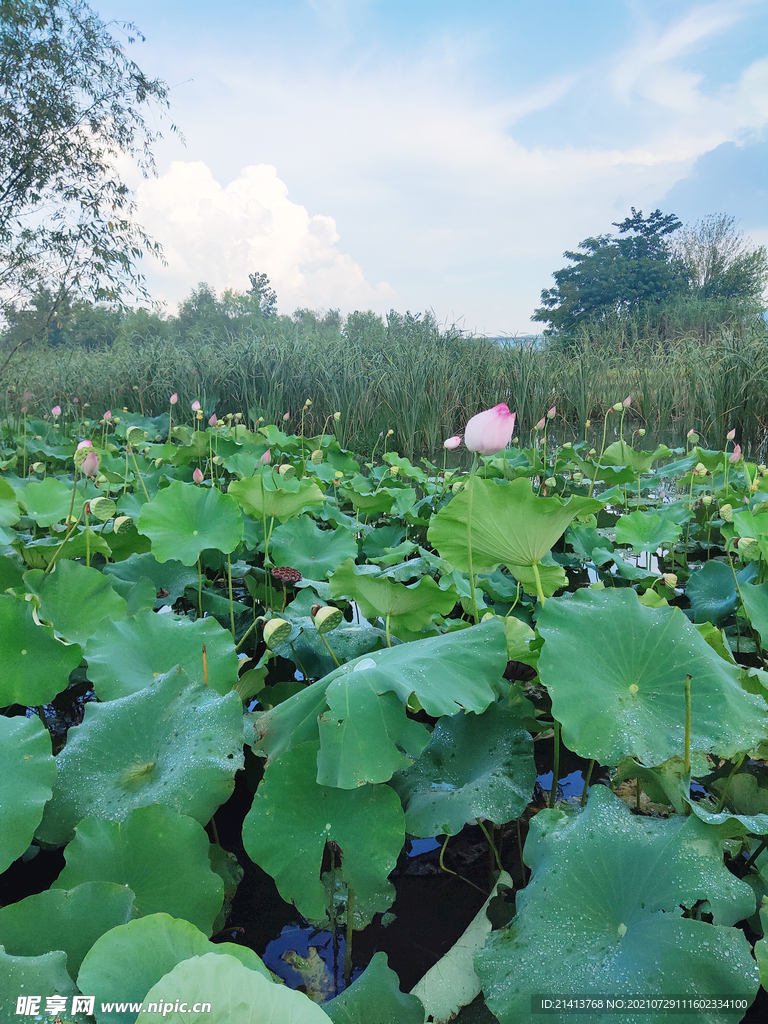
{"type": "Point", "coordinates": [712, 590]}
{"type": "Point", "coordinates": [375, 998]}
{"type": "Point", "coordinates": [48, 501]}
{"type": "Point", "coordinates": [291, 820]}
{"type": "Point", "coordinates": [183, 520]}
{"type": "Point", "coordinates": [127, 961]}
{"type": "Point", "coordinates": [621, 454]}
{"type": "Point", "coordinates": [70, 920]}
{"type": "Point", "coordinates": [170, 577]}
{"type": "Point", "coordinates": [159, 854]}
{"type": "Point", "coordinates": [411, 607]}
{"type": "Point", "coordinates": [36, 665]}
{"type": "Point", "coordinates": [311, 656]}
{"type": "Point", "coordinates": [755, 598]}
{"type": "Point", "coordinates": [644, 532]}
{"type": "Point", "coordinates": [124, 657]}
{"type": "Point", "coordinates": [616, 672]}
{"type": "Point", "coordinates": [510, 525]}
{"type": "Point", "coordinates": [270, 495]}
{"type": "Point", "coordinates": [11, 571]}
{"type": "Point", "coordinates": [27, 775]}
{"type": "Point", "coordinates": [32, 975]}
{"type": "Point", "coordinates": [9, 512]}
{"type": "Point", "coordinates": [234, 994]}
{"type": "Point", "coordinates": [314, 552]}
{"type": "Point", "coordinates": [603, 909]}
{"type": "Point", "coordinates": [475, 766]}
{"type": "Point", "coordinates": [75, 599]}
{"type": "Point", "coordinates": [175, 742]}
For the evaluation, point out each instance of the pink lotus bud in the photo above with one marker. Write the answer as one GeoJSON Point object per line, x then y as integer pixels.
{"type": "Point", "coordinates": [691, 433]}
{"type": "Point", "coordinates": [452, 442]}
{"type": "Point", "coordinates": [174, 398]}
{"type": "Point", "coordinates": [627, 401]}
{"type": "Point", "coordinates": [85, 444]}
{"type": "Point", "coordinates": [541, 424]}
{"type": "Point", "coordinates": [197, 476]}
{"type": "Point", "coordinates": [551, 413]}
{"type": "Point", "coordinates": [286, 417]}
{"type": "Point", "coordinates": [212, 420]}
{"type": "Point", "coordinates": [90, 464]}
{"type": "Point", "coordinates": [75, 400]}
{"type": "Point", "coordinates": [489, 432]}
{"type": "Point", "coordinates": [731, 434]}
{"type": "Point", "coordinates": [108, 415]}
{"type": "Point", "coordinates": [736, 456]}
{"type": "Point", "coordinates": [195, 406]}
{"type": "Point", "coordinates": [56, 410]}
{"type": "Point", "coordinates": [266, 458]}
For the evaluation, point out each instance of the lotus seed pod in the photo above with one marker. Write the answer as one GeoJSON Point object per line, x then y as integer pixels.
{"type": "Point", "coordinates": [328, 618]}
{"type": "Point", "coordinates": [394, 470]}
{"type": "Point", "coordinates": [707, 499]}
{"type": "Point", "coordinates": [276, 632]}
{"type": "Point", "coordinates": [641, 432]}
{"type": "Point", "coordinates": [122, 525]}
{"type": "Point", "coordinates": [135, 435]}
{"type": "Point", "coordinates": [749, 549]}
{"type": "Point", "coordinates": [726, 512]}
{"type": "Point", "coordinates": [37, 467]}
{"type": "Point", "coordinates": [550, 482]}
{"type": "Point", "coordinates": [618, 407]}
{"type": "Point", "coordinates": [80, 455]}
{"type": "Point", "coordinates": [588, 424]}
{"type": "Point", "coordinates": [103, 508]}
{"type": "Point", "coordinates": [456, 487]}
{"type": "Point", "coordinates": [317, 457]}
{"type": "Point", "coordinates": [701, 469]}
{"type": "Point", "coordinates": [693, 437]}
{"type": "Point", "coordinates": [338, 475]}
{"type": "Point", "coordinates": [578, 476]}
{"type": "Point", "coordinates": [337, 416]}
{"type": "Point", "coordinates": [568, 445]}
{"type": "Point", "coordinates": [670, 580]}
{"type": "Point", "coordinates": [218, 460]}
{"type": "Point", "coordinates": [488, 616]}
{"type": "Point", "coordinates": [593, 451]}
{"type": "Point", "coordinates": [286, 471]}
{"type": "Point", "coordinates": [158, 463]}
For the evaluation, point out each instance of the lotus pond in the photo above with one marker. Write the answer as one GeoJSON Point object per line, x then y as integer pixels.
{"type": "Point", "coordinates": [277, 721]}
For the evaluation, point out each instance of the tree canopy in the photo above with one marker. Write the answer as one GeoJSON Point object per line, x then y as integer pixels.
{"type": "Point", "coordinates": [719, 261]}
{"type": "Point", "coordinates": [71, 105]}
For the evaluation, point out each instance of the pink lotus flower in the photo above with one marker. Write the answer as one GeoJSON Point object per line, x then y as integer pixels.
{"type": "Point", "coordinates": [551, 413]}
{"type": "Point", "coordinates": [736, 456]}
{"type": "Point", "coordinates": [197, 476]}
{"type": "Point", "coordinates": [108, 415]}
{"type": "Point", "coordinates": [731, 434]}
{"type": "Point", "coordinates": [266, 458]}
{"type": "Point", "coordinates": [195, 406]}
{"type": "Point", "coordinates": [174, 398]}
{"type": "Point", "coordinates": [212, 421]}
{"type": "Point", "coordinates": [91, 464]}
{"type": "Point", "coordinates": [56, 410]}
{"type": "Point", "coordinates": [489, 432]}
{"type": "Point", "coordinates": [452, 442]}
{"type": "Point", "coordinates": [627, 401]}
{"type": "Point", "coordinates": [85, 444]}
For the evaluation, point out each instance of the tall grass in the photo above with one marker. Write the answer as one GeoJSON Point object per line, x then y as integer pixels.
{"type": "Point", "coordinates": [423, 383]}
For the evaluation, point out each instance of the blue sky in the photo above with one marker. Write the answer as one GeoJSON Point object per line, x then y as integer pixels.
{"type": "Point", "coordinates": [438, 154]}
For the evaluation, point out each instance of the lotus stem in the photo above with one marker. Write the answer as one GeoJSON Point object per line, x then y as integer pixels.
{"type": "Point", "coordinates": [471, 490]}
{"type": "Point", "coordinates": [231, 600]}
{"type": "Point", "coordinates": [491, 844]}
{"type": "Point", "coordinates": [348, 935]}
{"type": "Point", "coordinates": [205, 665]}
{"type": "Point", "coordinates": [555, 766]}
{"type": "Point", "coordinates": [732, 772]}
{"type": "Point", "coordinates": [687, 761]}
{"type": "Point", "coordinates": [199, 589]}
{"type": "Point", "coordinates": [539, 588]}
{"type": "Point", "coordinates": [587, 780]}
{"type": "Point", "coordinates": [138, 471]}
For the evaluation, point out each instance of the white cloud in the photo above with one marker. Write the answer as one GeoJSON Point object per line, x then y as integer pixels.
{"type": "Point", "coordinates": [222, 234]}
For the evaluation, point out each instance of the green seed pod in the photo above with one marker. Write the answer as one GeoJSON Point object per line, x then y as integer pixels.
{"type": "Point", "coordinates": [457, 486]}
{"type": "Point", "coordinates": [726, 512]}
{"type": "Point", "coordinates": [550, 482]}
{"type": "Point", "coordinates": [276, 631]}
{"type": "Point", "coordinates": [286, 471]}
{"type": "Point", "coordinates": [103, 508]}
{"type": "Point", "coordinates": [317, 457]}
{"type": "Point", "coordinates": [122, 525]}
{"type": "Point", "coordinates": [328, 618]}
{"type": "Point", "coordinates": [707, 499]}
{"type": "Point", "coordinates": [38, 467]}
{"type": "Point", "coordinates": [748, 549]}
{"type": "Point", "coordinates": [135, 435]}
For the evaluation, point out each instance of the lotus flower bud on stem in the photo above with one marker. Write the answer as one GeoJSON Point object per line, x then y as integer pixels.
{"type": "Point", "coordinates": [91, 464]}
{"type": "Point", "coordinates": [452, 442]}
{"type": "Point", "coordinates": [107, 415]}
{"type": "Point", "coordinates": [85, 444]}
{"type": "Point", "coordinates": [731, 434]}
{"type": "Point", "coordinates": [736, 455]}
{"type": "Point", "coordinates": [212, 420]}
{"type": "Point", "coordinates": [174, 398]}
{"type": "Point", "coordinates": [266, 458]}
{"type": "Point", "coordinates": [551, 413]}
{"type": "Point", "coordinates": [627, 401]}
{"type": "Point", "coordinates": [56, 410]}
{"type": "Point", "coordinates": [541, 424]}
{"type": "Point", "coordinates": [195, 406]}
{"type": "Point", "coordinates": [286, 417]}
{"type": "Point", "coordinates": [489, 432]}
{"type": "Point", "coordinates": [197, 476]}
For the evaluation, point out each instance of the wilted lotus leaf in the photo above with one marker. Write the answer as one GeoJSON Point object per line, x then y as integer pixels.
{"type": "Point", "coordinates": [616, 673]}
{"type": "Point", "coordinates": [314, 552]}
{"type": "Point", "coordinates": [175, 742]}
{"type": "Point", "coordinates": [128, 960]}
{"type": "Point", "coordinates": [27, 774]}
{"type": "Point", "coordinates": [70, 920]}
{"type": "Point", "coordinates": [183, 520]}
{"type": "Point", "coordinates": [35, 665]}
{"type": "Point", "coordinates": [604, 908]}
{"type": "Point", "coordinates": [124, 657]}
{"type": "Point", "coordinates": [159, 854]}
{"type": "Point", "coordinates": [292, 818]}
{"type": "Point", "coordinates": [75, 599]}
{"type": "Point", "coordinates": [644, 532]}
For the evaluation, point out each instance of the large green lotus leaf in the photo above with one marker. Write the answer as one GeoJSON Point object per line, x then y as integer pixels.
{"type": "Point", "coordinates": [510, 525]}
{"type": "Point", "coordinates": [621, 454]}
{"type": "Point", "coordinates": [644, 532]}
{"type": "Point", "coordinates": [552, 578]}
{"type": "Point", "coordinates": [616, 673]}
{"type": "Point", "coordinates": [291, 820]}
{"type": "Point", "coordinates": [124, 657]}
{"type": "Point", "coordinates": [35, 665]}
{"type": "Point", "coordinates": [409, 606]}
{"type": "Point", "coordinates": [9, 507]}
{"type": "Point", "coordinates": [712, 590]}
{"type": "Point", "coordinates": [184, 519]}
{"type": "Point", "coordinates": [602, 914]}
{"type": "Point", "coordinates": [170, 578]}
{"type": "Point", "coordinates": [375, 998]}
{"type": "Point", "coordinates": [48, 501]}
{"type": "Point", "coordinates": [314, 552]}
{"type": "Point", "coordinates": [755, 598]}
{"type": "Point", "coordinates": [275, 497]}
{"type": "Point", "coordinates": [27, 775]}
{"type": "Point", "coordinates": [235, 995]}
{"type": "Point", "coordinates": [175, 742]}
{"type": "Point", "coordinates": [42, 976]}
{"type": "Point", "coordinates": [159, 854]}
{"type": "Point", "coordinates": [311, 656]}
{"type": "Point", "coordinates": [127, 961]}
{"type": "Point", "coordinates": [71, 920]}
{"type": "Point", "coordinates": [75, 599]}
{"type": "Point", "coordinates": [476, 766]}
{"type": "Point", "coordinates": [11, 571]}
{"type": "Point", "coordinates": [447, 673]}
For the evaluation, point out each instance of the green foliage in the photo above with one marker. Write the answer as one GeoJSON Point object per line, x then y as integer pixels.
{"type": "Point", "coordinates": [375, 998]}
{"type": "Point", "coordinates": [36, 666]}
{"type": "Point", "coordinates": [27, 774]}
{"type": "Point", "coordinates": [183, 521]}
